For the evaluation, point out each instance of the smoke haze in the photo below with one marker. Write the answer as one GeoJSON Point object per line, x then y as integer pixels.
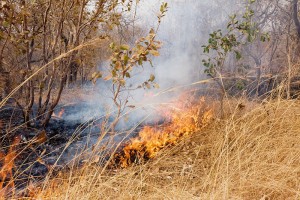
{"type": "Point", "coordinates": [183, 31]}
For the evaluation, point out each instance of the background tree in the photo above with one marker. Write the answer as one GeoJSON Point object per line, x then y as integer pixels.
{"type": "Point", "coordinates": [39, 32]}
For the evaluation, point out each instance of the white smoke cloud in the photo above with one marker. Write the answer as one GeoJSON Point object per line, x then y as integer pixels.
{"type": "Point", "coordinates": [183, 31]}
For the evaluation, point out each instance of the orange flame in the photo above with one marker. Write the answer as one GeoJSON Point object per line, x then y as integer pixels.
{"type": "Point", "coordinates": [60, 114]}
{"type": "Point", "coordinates": [186, 119]}
{"type": "Point", "coordinates": [8, 162]}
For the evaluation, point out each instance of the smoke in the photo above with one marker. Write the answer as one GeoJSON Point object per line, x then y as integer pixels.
{"type": "Point", "coordinates": [183, 31]}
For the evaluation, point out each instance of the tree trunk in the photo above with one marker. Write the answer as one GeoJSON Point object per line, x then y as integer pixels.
{"type": "Point", "coordinates": [54, 104]}
{"type": "Point", "coordinates": [4, 82]}
{"type": "Point", "coordinates": [258, 77]}
{"type": "Point", "coordinates": [295, 17]}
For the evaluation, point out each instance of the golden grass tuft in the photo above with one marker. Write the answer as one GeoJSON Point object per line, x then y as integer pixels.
{"type": "Point", "coordinates": [254, 153]}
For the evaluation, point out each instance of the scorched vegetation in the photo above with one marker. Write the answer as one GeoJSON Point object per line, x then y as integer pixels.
{"type": "Point", "coordinates": [137, 99]}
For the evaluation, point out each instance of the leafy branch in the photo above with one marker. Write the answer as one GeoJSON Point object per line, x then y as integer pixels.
{"type": "Point", "coordinates": [238, 32]}
{"type": "Point", "coordinates": [125, 59]}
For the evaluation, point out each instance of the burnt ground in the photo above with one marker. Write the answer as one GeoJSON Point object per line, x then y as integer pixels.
{"type": "Point", "coordinates": [69, 142]}
{"type": "Point", "coordinates": [72, 138]}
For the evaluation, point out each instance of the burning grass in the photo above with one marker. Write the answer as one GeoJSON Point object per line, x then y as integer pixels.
{"type": "Point", "coordinates": [6, 170]}
{"type": "Point", "coordinates": [252, 154]}
{"type": "Point", "coordinates": [184, 121]}
{"type": "Point", "coordinates": [182, 118]}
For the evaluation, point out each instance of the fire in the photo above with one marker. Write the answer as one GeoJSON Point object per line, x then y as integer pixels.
{"type": "Point", "coordinates": [185, 119]}
{"type": "Point", "coordinates": [60, 114]}
{"type": "Point", "coordinates": [8, 163]}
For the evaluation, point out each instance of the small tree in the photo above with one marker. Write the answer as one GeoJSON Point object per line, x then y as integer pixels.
{"type": "Point", "coordinates": [240, 31]}
{"type": "Point", "coordinates": [126, 59]}
{"type": "Point", "coordinates": [42, 42]}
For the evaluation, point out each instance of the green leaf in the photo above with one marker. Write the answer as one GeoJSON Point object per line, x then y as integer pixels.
{"type": "Point", "coordinates": [5, 24]}
{"type": "Point", "coordinates": [122, 82]}
{"type": "Point", "coordinates": [127, 74]}
{"type": "Point", "coordinates": [140, 61]}
{"type": "Point", "coordinates": [152, 78]}
{"type": "Point", "coordinates": [238, 55]}
{"type": "Point", "coordinates": [112, 45]}
{"type": "Point", "coordinates": [95, 76]}
{"type": "Point", "coordinates": [125, 58]}
{"type": "Point", "coordinates": [154, 52]}
{"type": "Point", "coordinates": [155, 85]}
{"type": "Point", "coordinates": [152, 32]}
{"type": "Point", "coordinates": [124, 47]}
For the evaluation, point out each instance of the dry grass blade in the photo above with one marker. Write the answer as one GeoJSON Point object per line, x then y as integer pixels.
{"type": "Point", "coordinates": [252, 154]}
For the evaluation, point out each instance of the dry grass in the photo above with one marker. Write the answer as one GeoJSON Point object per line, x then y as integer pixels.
{"type": "Point", "coordinates": [252, 154]}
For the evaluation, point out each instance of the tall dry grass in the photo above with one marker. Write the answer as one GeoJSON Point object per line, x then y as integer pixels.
{"type": "Point", "coordinates": [254, 153]}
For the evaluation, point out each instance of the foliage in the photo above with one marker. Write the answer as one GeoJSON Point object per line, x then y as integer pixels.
{"type": "Point", "coordinates": [238, 32]}
{"type": "Point", "coordinates": [125, 59]}
{"type": "Point", "coordinates": [34, 33]}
